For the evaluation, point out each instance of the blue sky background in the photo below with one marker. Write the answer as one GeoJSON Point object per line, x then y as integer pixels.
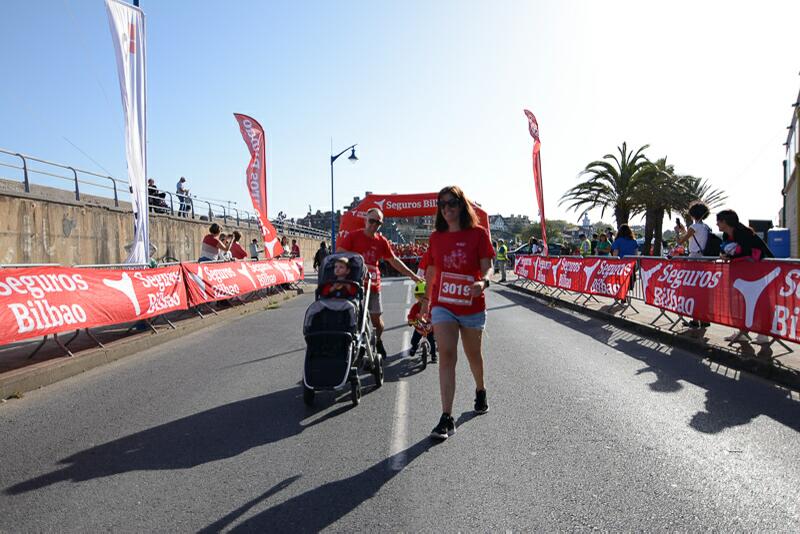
{"type": "Point", "coordinates": [433, 93]}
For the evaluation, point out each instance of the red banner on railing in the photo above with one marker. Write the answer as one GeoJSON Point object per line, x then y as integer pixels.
{"type": "Point", "coordinates": [45, 300]}
{"type": "Point", "coordinates": [596, 276]}
{"type": "Point", "coordinates": [756, 296]}
{"type": "Point", "coordinates": [209, 282]}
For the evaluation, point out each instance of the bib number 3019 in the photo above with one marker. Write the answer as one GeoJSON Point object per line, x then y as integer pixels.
{"type": "Point", "coordinates": [456, 289]}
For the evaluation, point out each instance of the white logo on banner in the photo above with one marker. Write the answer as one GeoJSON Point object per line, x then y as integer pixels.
{"type": "Point", "coordinates": [751, 291]}
{"type": "Point", "coordinates": [646, 275]}
{"type": "Point", "coordinates": [125, 286]}
{"type": "Point", "coordinates": [246, 272]}
{"type": "Point", "coordinates": [589, 271]}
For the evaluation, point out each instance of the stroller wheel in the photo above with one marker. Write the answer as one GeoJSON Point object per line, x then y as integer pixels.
{"type": "Point", "coordinates": [355, 391]}
{"type": "Point", "coordinates": [308, 395]}
{"type": "Point", "coordinates": [377, 372]}
{"type": "Point", "coordinates": [424, 355]}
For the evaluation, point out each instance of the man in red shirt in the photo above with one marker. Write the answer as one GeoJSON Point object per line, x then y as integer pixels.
{"type": "Point", "coordinates": [374, 248]}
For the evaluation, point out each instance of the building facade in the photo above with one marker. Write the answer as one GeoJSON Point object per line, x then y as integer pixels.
{"type": "Point", "coordinates": [790, 216]}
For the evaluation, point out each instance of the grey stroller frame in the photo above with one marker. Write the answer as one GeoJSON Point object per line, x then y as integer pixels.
{"type": "Point", "coordinates": [340, 338]}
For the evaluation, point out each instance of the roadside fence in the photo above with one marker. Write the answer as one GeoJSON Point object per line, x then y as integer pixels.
{"type": "Point", "coordinates": [48, 300]}
{"type": "Point", "coordinates": [761, 297]}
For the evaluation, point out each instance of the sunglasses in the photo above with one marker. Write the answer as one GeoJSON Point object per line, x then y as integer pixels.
{"type": "Point", "coordinates": [375, 221]}
{"type": "Point", "coordinates": [452, 203]}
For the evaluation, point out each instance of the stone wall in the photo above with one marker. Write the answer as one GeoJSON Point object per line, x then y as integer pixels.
{"type": "Point", "coordinates": [34, 229]}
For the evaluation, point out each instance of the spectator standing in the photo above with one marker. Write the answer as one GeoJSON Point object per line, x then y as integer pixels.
{"type": "Point", "coordinates": [212, 245]}
{"type": "Point", "coordinates": [461, 264]}
{"type": "Point", "coordinates": [502, 258]}
{"type": "Point", "coordinates": [696, 236]}
{"type": "Point", "coordinates": [295, 249]}
{"type": "Point", "coordinates": [254, 249]}
{"type": "Point", "coordinates": [237, 251]}
{"type": "Point", "coordinates": [183, 196]}
{"type": "Point", "coordinates": [624, 244]}
{"type": "Point", "coordinates": [603, 246]}
{"type": "Point", "coordinates": [594, 244]}
{"type": "Point", "coordinates": [285, 246]}
{"type": "Point", "coordinates": [155, 198]}
{"type": "Point", "coordinates": [319, 256]}
{"type": "Point", "coordinates": [739, 243]}
{"type": "Point", "coordinates": [585, 246]}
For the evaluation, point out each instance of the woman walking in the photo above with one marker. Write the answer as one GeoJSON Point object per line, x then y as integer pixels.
{"type": "Point", "coordinates": [461, 257]}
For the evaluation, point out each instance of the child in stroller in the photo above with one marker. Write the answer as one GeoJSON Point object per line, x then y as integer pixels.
{"type": "Point", "coordinates": [339, 335]}
{"type": "Point", "coordinates": [422, 327]}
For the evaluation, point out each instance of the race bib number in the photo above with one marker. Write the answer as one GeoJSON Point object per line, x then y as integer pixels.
{"type": "Point", "coordinates": [373, 272]}
{"type": "Point", "coordinates": [456, 289]}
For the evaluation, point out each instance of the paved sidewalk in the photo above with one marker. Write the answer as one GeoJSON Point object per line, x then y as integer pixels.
{"type": "Point", "coordinates": [778, 360]}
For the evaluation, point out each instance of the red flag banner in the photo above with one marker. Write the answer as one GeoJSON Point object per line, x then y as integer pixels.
{"type": "Point", "coordinates": [44, 300]}
{"type": "Point", "coordinates": [609, 277]}
{"type": "Point", "coordinates": [256, 140]}
{"type": "Point", "coordinates": [533, 128]}
{"type": "Point", "coordinates": [210, 282]}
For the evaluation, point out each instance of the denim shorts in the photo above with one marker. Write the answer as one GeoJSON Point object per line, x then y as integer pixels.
{"type": "Point", "coordinates": [443, 315]}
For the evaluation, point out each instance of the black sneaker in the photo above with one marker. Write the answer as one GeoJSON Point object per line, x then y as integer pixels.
{"type": "Point", "coordinates": [445, 428]}
{"type": "Point", "coordinates": [412, 351]}
{"type": "Point", "coordinates": [434, 358]}
{"type": "Point", "coordinates": [481, 406]}
{"type": "Point", "coordinates": [379, 347]}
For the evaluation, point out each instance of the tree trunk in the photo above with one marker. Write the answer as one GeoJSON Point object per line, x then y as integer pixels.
{"type": "Point", "coordinates": [659, 231]}
{"type": "Point", "coordinates": [649, 223]}
{"type": "Point", "coordinates": [621, 215]}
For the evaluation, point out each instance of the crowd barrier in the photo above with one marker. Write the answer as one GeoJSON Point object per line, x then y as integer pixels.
{"type": "Point", "coordinates": [42, 300]}
{"type": "Point", "coordinates": [756, 296]}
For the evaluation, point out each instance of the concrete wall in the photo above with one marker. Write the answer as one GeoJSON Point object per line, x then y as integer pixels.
{"type": "Point", "coordinates": [41, 230]}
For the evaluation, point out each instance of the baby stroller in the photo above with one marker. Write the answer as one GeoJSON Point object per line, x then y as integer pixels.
{"type": "Point", "coordinates": [339, 336]}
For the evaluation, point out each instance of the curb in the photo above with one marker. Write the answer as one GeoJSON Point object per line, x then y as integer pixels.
{"type": "Point", "coordinates": [38, 375]}
{"type": "Point", "coordinates": [765, 368]}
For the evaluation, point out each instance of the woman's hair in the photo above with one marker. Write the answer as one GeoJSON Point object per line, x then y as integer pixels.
{"type": "Point", "coordinates": [236, 236]}
{"type": "Point", "coordinates": [214, 229]}
{"type": "Point", "coordinates": [625, 231]}
{"type": "Point", "coordinates": [698, 210]}
{"type": "Point", "coordinates": [604, 236]}
{"type": "Point", "coordinates": [467, 218]}
{"type": "Point", "coordinates": [730, 218]}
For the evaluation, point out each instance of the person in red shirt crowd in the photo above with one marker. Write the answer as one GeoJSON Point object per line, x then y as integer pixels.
{"type": "Point", "coordinates": [295, 249]}
{"type": "Point", "coordinates": [237, 251]}
{"type": "Point", "coordinates": [422, 327]}
{"type": "Point", "coordinates": [374, 248]}
{"type": "Point", "coordinates": [461, 257]}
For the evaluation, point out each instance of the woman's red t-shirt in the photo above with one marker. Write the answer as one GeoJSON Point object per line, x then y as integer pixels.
{"type": "Point", "coordinates": [238, 252]}
{"type": "Point", "coordinates": [456, 257]}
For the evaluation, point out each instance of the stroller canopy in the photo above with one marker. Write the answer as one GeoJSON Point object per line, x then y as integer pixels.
{"type": "Point", "coordinates": [355, 262]}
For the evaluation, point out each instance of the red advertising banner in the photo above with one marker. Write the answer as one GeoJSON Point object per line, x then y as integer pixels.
{"type": "Point", "coordinates": [45, 300]}
{"type": "Point", "coordinates": [762, 297]}
{"type": "Point", "coordinates": [210, 282]}
{"type": "Point", "coordinates": [253, 135]}
{"type": "Point", "coordinates": [596, 276]}
{"type": "Point", "coordinates": [533, 128]}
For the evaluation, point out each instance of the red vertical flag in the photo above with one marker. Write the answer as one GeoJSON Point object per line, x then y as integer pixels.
{"type": "Point", "coordinates": [253, 135]}
{"type": "Point", "coordinates": [533, 126]}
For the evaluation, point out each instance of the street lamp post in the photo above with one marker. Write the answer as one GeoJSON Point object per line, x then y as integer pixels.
{"type": "Point", "coordinates": [352, 159]}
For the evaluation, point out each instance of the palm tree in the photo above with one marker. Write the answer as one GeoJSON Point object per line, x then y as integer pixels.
{"type": "Point", "coordinates": [659, 192]}
{"type": "Point", "coordinates": [611, 182]}
{"type": "Point", "coordinates": [700, 189]}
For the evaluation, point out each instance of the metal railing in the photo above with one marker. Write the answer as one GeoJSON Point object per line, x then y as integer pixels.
{"type": "Point", "coordinates": [52, 174]}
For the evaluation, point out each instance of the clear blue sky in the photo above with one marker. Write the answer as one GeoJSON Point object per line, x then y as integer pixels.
{"type": "Point", "coordinates": [433, 93]}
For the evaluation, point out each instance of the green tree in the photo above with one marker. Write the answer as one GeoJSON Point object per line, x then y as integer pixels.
{"type": "Point", "coordinates": [611, 184]}
{"type": "Point", "coordinates": [700, 189]}
{"type": "Point", "coordinates": [555, 230]}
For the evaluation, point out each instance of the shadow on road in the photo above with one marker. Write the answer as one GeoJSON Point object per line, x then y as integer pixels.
{"type": "Point", "coordinates": [729, 402]}
{"type": "Point", "coordinates": [221, 432]}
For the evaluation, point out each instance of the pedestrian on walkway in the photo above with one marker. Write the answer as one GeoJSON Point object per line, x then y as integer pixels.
{"type": "Point", "coordinates": [461, 257]}
{"type": "Point", "coordinates": [319, 256]}
{"type": "Point", "coordinates": [183, 196]}
{"type": "Point", "coordinates": [741, 243]}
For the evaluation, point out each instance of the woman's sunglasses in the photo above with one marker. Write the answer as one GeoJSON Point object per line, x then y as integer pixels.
{"type": "Point", "coordinates": [375, 221]}
{"type": "Point", "coordinates": [452, 203]}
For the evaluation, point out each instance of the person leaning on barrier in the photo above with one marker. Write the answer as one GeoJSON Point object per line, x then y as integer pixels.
{"type": "Point", "coordinates": [740, 242]}
{"type": "Point", "coordinates": [237, 251]}
{"type": "Point", "coordinates": [183, 194]}
{"type": "Point", "coordinates": [696, 237]}
{"type": "Point", "coordinates": [254, 250]}
{"type": "Point", "coordinates": [211, 246]}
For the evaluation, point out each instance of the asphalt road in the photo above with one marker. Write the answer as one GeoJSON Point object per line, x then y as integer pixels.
{"type": "Point", "coordinates": [590, 428]}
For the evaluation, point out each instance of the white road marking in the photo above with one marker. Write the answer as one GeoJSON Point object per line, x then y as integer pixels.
{"type": "Point", "coordinates": [408, 298]}
{"type": "Point", "coordinates": [399, 428]}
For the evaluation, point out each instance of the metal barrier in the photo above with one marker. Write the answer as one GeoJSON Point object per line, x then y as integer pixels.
{"type": "Point", "coordinates": [114, 188]}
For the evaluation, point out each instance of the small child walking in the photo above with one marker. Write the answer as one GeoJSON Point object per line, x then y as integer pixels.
{"type": "Point", "coordinates": [421, 326]}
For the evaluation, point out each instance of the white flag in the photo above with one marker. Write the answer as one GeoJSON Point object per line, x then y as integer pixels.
{"type": "Point", "coordinates": [127, 32]}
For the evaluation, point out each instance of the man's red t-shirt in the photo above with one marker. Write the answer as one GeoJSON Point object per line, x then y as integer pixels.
{"type": "Point", "coordinates": [373, 249]}
{"type": "Point", "coordinates": [238, 252]}
{"type": "Point", "coordinates": [456, 256]}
